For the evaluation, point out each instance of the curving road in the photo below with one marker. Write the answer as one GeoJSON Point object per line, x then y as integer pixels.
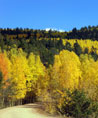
{"type": "Point", "coordinates": [24, 111]}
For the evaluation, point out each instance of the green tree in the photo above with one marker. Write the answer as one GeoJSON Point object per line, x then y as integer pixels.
{"type": "Point", "coordinates": [77, 48]}
{"type": "Point", "coordinates": [68, 46]}
{"type": "Point", "coordinates": [78, 105]}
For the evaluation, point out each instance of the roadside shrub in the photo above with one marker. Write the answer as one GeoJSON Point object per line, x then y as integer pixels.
{"type": "Point", "coordinates": [78, 105]}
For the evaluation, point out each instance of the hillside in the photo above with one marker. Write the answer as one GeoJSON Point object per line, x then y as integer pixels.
{"type": "Point", "coordinates": [46, 44]}
{"type": "Point", "coordinates": [58, 69]}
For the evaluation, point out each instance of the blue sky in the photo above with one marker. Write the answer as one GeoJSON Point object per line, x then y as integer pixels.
{"type": "Point", "coordinates": [42, 14]}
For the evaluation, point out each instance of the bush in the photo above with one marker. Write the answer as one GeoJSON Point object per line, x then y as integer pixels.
{"type": "Point", "coordinates": [77, 105]}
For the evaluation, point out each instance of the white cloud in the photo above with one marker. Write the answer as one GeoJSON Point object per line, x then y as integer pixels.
{"type": "Point", "coordinates": [54, 29]}
{"type": "Point", "coordinates": [47, 29]}
{"type": "Point", "coordinates": [61, 30]}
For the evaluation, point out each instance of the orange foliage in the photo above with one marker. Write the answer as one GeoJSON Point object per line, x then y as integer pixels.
{"type": "Point", "coordinates": [4, 68]}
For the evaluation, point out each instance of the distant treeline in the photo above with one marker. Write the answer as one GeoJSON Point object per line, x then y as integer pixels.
{"type": "Point", "coordinates": [90, 32]}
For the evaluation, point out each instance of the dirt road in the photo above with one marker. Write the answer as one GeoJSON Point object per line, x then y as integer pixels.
{"type": "Point", "coordinates": [24, 111]}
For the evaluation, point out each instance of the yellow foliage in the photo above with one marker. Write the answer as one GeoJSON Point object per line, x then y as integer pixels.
{"type": "Point", "coordinates": [66, 70]}
{"type": "Point", "coordinates": [89, 80]}
{"type": "Point", "coordinates": [18, 76]}
{"type": "Point", "coordinates": [84, 44]}
{"type": "Point", "coordinates": [36, 69]}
